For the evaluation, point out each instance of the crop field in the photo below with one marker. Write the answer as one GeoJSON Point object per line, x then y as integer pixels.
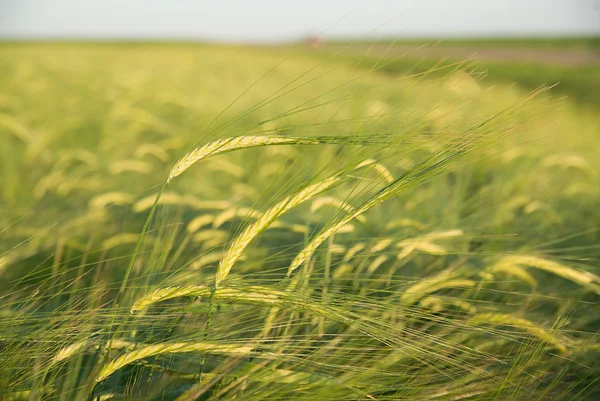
{"type": "Point", "coordinates": [570, 66]}
{"type": "Point", "coordinates": [202, 222]}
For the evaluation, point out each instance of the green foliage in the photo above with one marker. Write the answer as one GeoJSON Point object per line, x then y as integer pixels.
{"type": "Point", "coordinates": [186, 222]}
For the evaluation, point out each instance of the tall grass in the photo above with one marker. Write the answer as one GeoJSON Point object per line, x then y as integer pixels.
{"type": "Point", "coordinates": [331, 235]}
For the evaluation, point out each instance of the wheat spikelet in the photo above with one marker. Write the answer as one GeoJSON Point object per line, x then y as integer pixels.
{"type": "Point", "coordinates": [135, 166]}
{"type": "Point", "coordinates": [346, 228]}
{"type": "Point", "coordinates": [310, 249]}
{"type": "Point", "coordinates": [146, 118]}
{"type": "Point", "coordinates": [337, 249]}
{"type": "Point", "coordinates": [172, 348]}
{"type": "Point", "coordinates": [271, 168]}
{"type": "Point", "coordinates": [120, 239]}
{"type": "Point", "coordinates": [114, 198]}
{"type": "Point", "coordinates": [75, 348]}
{"type": "Point", "coordinates": [167, 198]}
{"type": "Point", "coordinates": [171, 143]}
{"type": "Point", "coordinates": [569, 161]}
{"type": "Point", "coordinates": [240, 243]}
{"type": "Point", "coordinates": [407, 249]}
{"type": "Point", "coordinates": [152, 149]}
{"type": "Point", "coordinates": [174, 98]}
{"type": "Point", "coordinates": [428, 247]}
{"type": "Point", "coordinates": [380, 168]}
{"type": "Point", "coordinates": [172, 198]}
{"type": "Point", "coordinates": [514, 270]}
{"type": "Point", "coordinates": [444, 234]}
{"type": "Point", "coordinates": [197, 222]}
{"type": "Point", "coordinates": [66, 158]}
{"type": "Point", "coordinates": [230, 144]}
{"type": "Point", "coordinates": [385, 193]}
{"type": "Point", "coordinates": [69, 351]}
{"type": "Point", "coordinates": [580, 188]}
{"type": "Point", "coordinates": [463, 83]}
{"type": "Point", "coordinates": [439, 303]}
{"type": "Point", "coordinates": [342, 270]}
{"type": "Point", "coordinates": [245, 190]}
{"type": "Point", "coordinates": [331, 201]}
{"type": "Point", "coordinates": [425, 245]}
{"type": "Point", "coordinates": [377, 108]}
{"type": "Point", "coordinates": [209, 235]}
{"type": "Point", "coordinates": [353, 251]}
{"type": "Point", "coordinates": [430, 285]}
{"type": "Point", "coordinates": [381, 245]}
{"type": "Point", "coordinates": [584, 278]}
{"type": "Point", "coordinates": [227, 167]}
{"type": "Point", "coordinates": [523, 324]}
{"type": "Point", "coordinates": [52, 180]}
{"type": "Point", "coordinates": [18, 130]}
{"type": "Point", "coordinates": [513, 154]}
{"type": "Point", "coordinates": [245, 295]}
{"type": "Point", "coordinates": [207, 259]}
{"type": "Point", "coordinates": [19, 395]}
{"type": "Point", "coordinates": [242, 212]}
{"type": "Point", "coordinates": [376, 263]}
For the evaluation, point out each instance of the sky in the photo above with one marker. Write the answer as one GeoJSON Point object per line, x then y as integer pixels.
{"type": "Point", "coordinates": [283, 20]}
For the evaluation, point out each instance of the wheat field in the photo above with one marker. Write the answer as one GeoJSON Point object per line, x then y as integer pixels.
{"type": "Point", "coordinates": [202, 222]}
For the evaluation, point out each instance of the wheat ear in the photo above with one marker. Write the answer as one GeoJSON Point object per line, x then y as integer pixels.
{"type": "Point", "coordinates": [239, 244]}
{"type": "Point", "coordinates": [171, 348]}
{"type": "Point", "coordinates": [230, 144]}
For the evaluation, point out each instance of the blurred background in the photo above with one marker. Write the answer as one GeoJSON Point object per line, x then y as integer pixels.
{"type": "Point", "coordinates": [530, 42]}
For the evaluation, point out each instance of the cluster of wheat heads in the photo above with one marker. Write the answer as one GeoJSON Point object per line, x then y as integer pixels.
{"type": "Point", "coordinates": [334, 240]}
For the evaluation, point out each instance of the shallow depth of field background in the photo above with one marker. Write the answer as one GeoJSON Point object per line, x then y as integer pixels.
{"type": "Point", "coordinates": [339, 217]}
